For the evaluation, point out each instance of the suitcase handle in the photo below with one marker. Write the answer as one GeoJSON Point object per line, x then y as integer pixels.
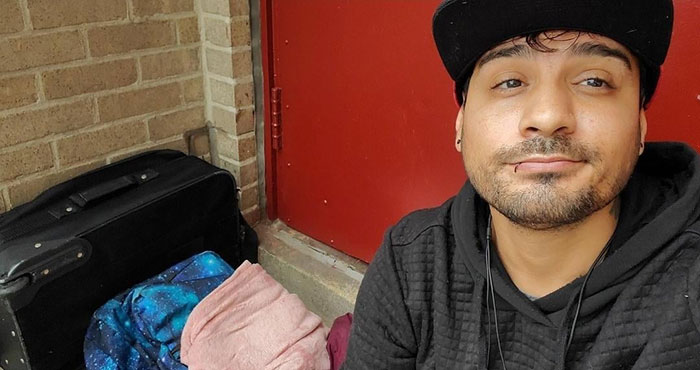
{"type": "Point", "coordinates": [103, 190]}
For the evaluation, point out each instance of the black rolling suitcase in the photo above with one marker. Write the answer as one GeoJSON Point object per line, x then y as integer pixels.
{"type": "Point", "coordinates": [80, 243]}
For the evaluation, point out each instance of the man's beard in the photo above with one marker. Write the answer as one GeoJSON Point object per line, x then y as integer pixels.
{"type": "Point", "coordinates": [544, 205]}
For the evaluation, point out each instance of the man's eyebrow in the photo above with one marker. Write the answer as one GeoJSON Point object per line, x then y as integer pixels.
{"type": "Point", "coordinates": [595, 49]}
{"type": "Point", "coordinates": [519, 50]}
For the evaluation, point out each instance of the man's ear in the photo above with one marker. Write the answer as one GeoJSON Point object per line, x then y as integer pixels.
{"type": "Point", "coordinates": [459, 121]}
{"type": "Point", "coordinates": [642, 130]}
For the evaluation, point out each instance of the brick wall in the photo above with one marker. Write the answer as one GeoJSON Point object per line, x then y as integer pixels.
{"type": "Point", "coordinates": [229, 92]}
{"type": "Point", "coordinates": [87, 82]}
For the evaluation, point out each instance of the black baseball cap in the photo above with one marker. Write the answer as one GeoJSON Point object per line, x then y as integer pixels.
{"type": "Point", "coordinates": [466, 29]}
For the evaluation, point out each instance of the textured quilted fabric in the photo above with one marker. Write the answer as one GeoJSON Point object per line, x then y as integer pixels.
{"type": "Point", "coordinates": [422, 303]}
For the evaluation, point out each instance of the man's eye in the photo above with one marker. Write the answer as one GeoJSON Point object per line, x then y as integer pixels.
{"type": "Point", "coordinates": [595, 82]}
{"type": "Point", "coordinates": [509, 84]}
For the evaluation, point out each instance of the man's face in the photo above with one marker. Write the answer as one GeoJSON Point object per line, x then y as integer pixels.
{"type": "Point", "coordinates": [548, 138]}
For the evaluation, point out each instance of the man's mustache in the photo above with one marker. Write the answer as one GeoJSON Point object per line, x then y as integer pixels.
{"type": "Point", "coordinates": [546, 146]}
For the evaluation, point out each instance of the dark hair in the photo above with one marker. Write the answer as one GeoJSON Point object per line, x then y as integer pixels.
{"type": "Point", "coordinates": [535, 41]}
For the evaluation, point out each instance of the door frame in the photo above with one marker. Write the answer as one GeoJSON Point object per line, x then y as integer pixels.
{"type": "Point", "coordinates": [268, 72]}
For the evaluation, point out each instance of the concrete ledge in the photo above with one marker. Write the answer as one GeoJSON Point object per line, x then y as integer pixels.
{"type": "Point", "coordinates": [325, 279]}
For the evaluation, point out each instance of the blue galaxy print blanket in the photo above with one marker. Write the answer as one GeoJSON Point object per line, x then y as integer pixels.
{"type": "Point", "coordinates": [141, 328]}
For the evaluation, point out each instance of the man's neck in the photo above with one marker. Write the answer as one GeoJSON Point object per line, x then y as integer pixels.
{"type": "Point", "coordinates": [541, 262]}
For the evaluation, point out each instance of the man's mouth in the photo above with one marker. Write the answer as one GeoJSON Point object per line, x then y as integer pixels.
{"type": "Point", "coordinates": [546, 164]}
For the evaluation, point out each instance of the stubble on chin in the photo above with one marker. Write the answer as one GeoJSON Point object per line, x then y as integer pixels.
{"type": "Point", "coordinates": [544, 204]}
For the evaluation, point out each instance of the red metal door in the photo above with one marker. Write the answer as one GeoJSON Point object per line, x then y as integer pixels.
{"type": "Point", "coordinates": [367, 114]}
{"type": "Point", "coordinates": [674, 114]}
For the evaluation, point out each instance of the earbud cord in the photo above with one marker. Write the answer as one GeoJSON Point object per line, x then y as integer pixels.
{"type": "Point", "coordinates": [488, 312]}
{"type": "Point", "coordinates": [489, 287]}
{"type": "Point", "coordinates": [580, 295]}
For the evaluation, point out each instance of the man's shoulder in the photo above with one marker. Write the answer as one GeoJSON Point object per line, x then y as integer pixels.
{"type": "Point", "coordinates": [421, 222]}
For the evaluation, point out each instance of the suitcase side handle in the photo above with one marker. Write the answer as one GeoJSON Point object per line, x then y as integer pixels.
{"type": "Point", "coordinates": [95, 193]}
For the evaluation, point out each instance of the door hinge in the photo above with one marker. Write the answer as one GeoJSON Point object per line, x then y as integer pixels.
{"type": "Point", "coordinates": [276, 108]}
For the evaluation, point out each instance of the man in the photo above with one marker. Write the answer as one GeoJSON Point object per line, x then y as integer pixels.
{"type": "Point", "coordinates": [573, 245]}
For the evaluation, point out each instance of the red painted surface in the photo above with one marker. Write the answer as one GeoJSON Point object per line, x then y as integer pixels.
{"type": "Point", "coordinates": [674, 113]}
{"type": "Point", "coordinates": [368, 114]}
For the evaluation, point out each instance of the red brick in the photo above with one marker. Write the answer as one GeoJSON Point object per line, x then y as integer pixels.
{"type": "Point", "coordinates": [188, 30]}
{"type": "Point", "coordinates": [92, 144]}
{"type": "Point", "coordinates": [170, 64]}
{"type": "Point", "coordinates": [240, 32]}
{"type": "Point", "coordinates": [193, 89]}
{"type": "Point", "coordinates": [10, 18]}
{"type": "Point", "coordinates": [248, 174]}
{"type": "Point", "coordinates": [144, 8]}
{"type": "Point", "coordinates": [134, 103]}
{"type": "Point", "coordinates": [31, 125]}
{"type": "Point", "coordinates": [33, 51]}
{"type": "Point", "coordinates": [129, 37]}
{"type": "Point", "coordinates": [246, 148]}
{"type": "Point", "coordinates": [17, 92]}
{"type": "Point", "coordinates": [25, 161]}
{"type": "Point", "coordinates": [91, 78]}
{"type": "Point", "coordinates": [28, 190]}
{"type": "Point", "coordinates": [249, 198]}
{"type": "Point", "coordinates": [58, 13]}
{"type": "Point", "coordinates": [242, 64]}
{"type": "Point", "coordinates": [176, 123]}
{"type": "Point", "coordinates": [245, 121]}
{"type": "Point", "coordinates": [244, 94]}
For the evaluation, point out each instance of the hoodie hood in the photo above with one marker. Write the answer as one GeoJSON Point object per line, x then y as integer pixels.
{"type": "Point", "coordinates": [660, 201]}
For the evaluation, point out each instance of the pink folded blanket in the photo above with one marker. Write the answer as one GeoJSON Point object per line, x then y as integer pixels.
{"type": "Point", "coordinates": [251, 322]}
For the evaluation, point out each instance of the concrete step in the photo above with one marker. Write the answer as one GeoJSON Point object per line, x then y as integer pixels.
{"type": "Point", "coordinates": [325, 279]}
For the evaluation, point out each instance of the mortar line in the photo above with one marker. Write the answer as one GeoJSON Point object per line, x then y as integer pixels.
{"type": "Point", "coordinates": [85, 42]}
{"type": "Point", "coordinates": [230, 49]}
{"type": "Point", "coordinates": [139, 70]}
{"type": "Point", "coordinates": [218, 17]}
{"type": "Point", "coordinates": [26, 18]}
{"type": "Point", "coordinates": [39, 84]}
{"type": "Point", "coordinates": [227, 108]}
{"type": "Point", "coordinates": [54, 150]}
{"type": "Point", "coordinates": [96, 112]}
{"type": "Point", "coordinates": [129, 10]}
{"type": "Point", "coordinates": [6, 199]}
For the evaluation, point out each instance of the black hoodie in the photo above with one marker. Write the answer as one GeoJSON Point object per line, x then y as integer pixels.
{"type": "Point", "coordinates": [423, 301]}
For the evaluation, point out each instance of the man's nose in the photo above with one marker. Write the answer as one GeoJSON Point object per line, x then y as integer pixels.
{"type": "Point", "coordinates": [548, 111]}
